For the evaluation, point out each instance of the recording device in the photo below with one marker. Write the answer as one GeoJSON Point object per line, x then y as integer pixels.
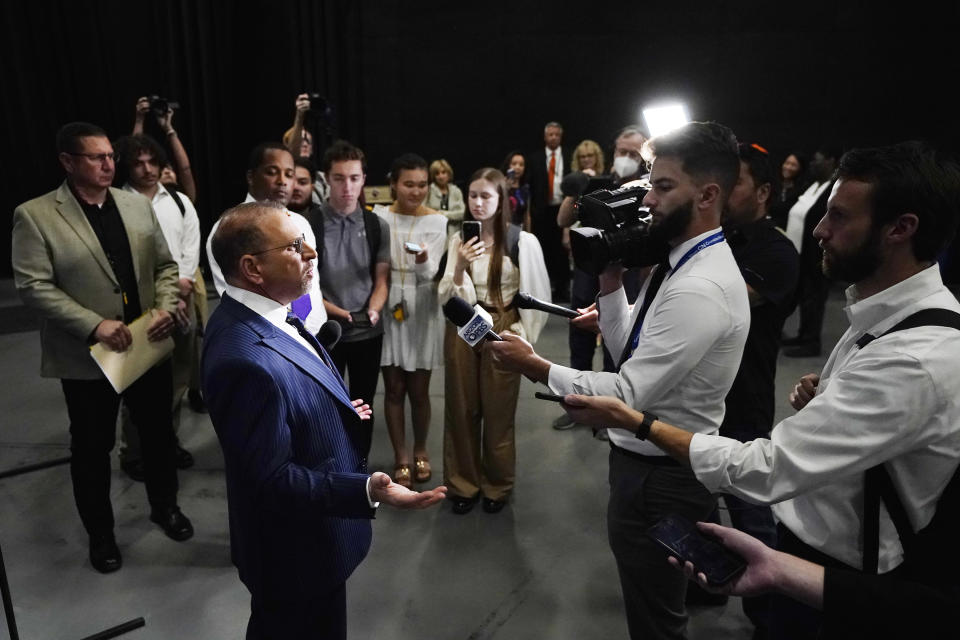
{"type": "Point", "coordinates": [615, 230]}
{"type": "Point", "coordinates": [470, 229]}
{"type": "Point", "coordinates": [159, 106]}
{"type": "Point", "coordinates": [684, 541]}
{"type": "Point", "coordinates": [540, 395]}
{"type": "Point", "coordinates": [526, 301]}
{"type": "Point", "coordinates": [473, 322]}
{"type": "Point", "coordinates": [329, 334]}
{"type": "Point", "coordinates": [412, 247]}
{"type": "Point", "coordinates": [320, 110]}
{"type": "Point", "coordinates": [360, 319]}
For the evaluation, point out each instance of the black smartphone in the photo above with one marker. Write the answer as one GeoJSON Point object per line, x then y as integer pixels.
{"type": "Point", "coordinates": [548, 396]}
{"type": "Point", "coordinates": [684, 541]}
{"type": "Point", "coordinates": [360, 319]}
{"type": "Point", "coordinates": [471, 229]}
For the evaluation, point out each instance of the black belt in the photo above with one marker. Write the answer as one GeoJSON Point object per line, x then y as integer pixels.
{"type": "Point", "coordinates": [657, 461]}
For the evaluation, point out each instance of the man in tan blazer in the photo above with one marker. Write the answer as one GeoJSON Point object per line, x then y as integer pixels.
{"type": "Point", "coordinates": [89, 260]}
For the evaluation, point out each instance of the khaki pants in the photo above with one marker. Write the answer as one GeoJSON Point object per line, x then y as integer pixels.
{"type": "Point", "coordinates": [479, 449]}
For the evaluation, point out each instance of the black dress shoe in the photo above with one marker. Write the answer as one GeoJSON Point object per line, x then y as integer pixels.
{"type": "Point", "coordinates": [104, 555]}
{"type": "Point", "coordinates": [493, 506]}
{"type": "Point", "coordinates": [173, 522]}
{"type": "Point", "coordinates": [791, 342]}
{"type": "Point", "coordinates": [195, 399]}
{"type": "Point", "coordinates": [133, 468]}
{"type": "Point", "coordinates": [462, 505]}
{"type": "Point", "coordinates": [183, 458]}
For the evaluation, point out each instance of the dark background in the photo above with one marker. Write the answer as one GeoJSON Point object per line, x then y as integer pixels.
{"type": "Point", "coordinates": [467, 84]}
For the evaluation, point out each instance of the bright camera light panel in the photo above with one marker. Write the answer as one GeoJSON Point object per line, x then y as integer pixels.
{"type": "Point", "coordinates": [665, 118]}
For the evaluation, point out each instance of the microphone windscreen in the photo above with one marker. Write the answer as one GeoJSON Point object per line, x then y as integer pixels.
{"type": "Point", "coordinates": [458, 311]}
{"type": "Point", "coordinates": [329, 334]}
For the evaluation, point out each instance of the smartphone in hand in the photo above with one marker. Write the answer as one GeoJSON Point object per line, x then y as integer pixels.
{"type": "Point", "coordinates": [471, 229]}
{"type": "Point", "coordinates": [684, 541]}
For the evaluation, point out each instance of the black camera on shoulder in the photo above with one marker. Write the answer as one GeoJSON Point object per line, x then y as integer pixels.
{"type": "Point", "coordinates": [159, 106]}
{"type": "Point", "coordinates": [615, 230]}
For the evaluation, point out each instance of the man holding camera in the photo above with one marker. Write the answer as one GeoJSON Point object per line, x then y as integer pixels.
{"type": "Point", "coordinates": [887, 401]}
{"type": "Point", "coordinates": [679, 350]}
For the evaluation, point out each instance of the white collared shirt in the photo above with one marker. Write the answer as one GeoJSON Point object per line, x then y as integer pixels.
{"type": "Point", "coordinates": [798, 212]}
{"type": "Point", "coordinates": [180, 230]}
{"type": "Point", "coordinates": [318, 314]}
{"type": "Point", "coordinates": [689, 349]}
{"type": "Point", "coordinates": [557, 196]}
{"type": "Point", "coordinates": [896, 401]}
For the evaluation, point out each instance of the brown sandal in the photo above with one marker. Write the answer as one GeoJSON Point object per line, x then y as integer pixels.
{"type": "Point", "coordinates": [401, 475]}
{"type": "Point", "coordinates": [423, 471]}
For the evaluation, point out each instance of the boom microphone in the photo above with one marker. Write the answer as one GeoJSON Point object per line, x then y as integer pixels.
{"type": "Point", "coordinates": [473, 322]}
{"type": "Point", "coordinates": [526, 301]}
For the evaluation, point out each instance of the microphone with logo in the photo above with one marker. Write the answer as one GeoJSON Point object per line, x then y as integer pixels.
{"type": "Point", "coordinates": [473, 322]}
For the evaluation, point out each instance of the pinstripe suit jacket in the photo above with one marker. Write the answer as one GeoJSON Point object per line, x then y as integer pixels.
{"type": "Point", "coordinates": [296, 487]}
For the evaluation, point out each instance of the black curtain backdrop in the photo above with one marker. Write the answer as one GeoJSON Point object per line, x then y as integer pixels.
{"type": "Point", "coordinates": [463, 81]}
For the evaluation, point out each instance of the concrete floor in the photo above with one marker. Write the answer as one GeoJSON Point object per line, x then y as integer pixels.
{"type": "Point", "coordinates": [539, 569]}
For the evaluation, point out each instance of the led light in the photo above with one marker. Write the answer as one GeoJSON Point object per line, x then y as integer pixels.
{"type": "Point", "coordinates": [665, 118]}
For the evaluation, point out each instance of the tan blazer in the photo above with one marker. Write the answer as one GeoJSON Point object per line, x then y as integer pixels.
{"type": "Point", "coordinates": [61, 272]}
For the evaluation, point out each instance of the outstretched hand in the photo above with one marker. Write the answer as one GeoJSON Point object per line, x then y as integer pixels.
{"type": "Point", "coordinates": [383, 489]}
{"type": "Point", "coordinates": [760, 575]}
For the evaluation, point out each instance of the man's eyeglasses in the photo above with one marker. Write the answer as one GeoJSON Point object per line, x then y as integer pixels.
{"type": "Point", "coordinates": [297, 245]}
{"type": "Point", "coordinates": [96, 157]}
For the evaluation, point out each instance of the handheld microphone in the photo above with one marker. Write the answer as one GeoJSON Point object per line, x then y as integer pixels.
{"type": "Point", "coordinates": [473, 322]}
{"type": "Point", "coordinates": [526, 301]}
{"type": "Point", "coordinates": [329, 334]}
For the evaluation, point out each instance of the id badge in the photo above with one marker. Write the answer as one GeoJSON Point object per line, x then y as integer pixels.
{"type": "Point", "coordinates": [399, 312]}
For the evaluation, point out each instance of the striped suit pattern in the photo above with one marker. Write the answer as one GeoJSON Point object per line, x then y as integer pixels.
{"type": "Point", "coordinates": [296, 486]}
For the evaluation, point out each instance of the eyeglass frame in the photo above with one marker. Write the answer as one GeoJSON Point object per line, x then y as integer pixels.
{"type": "Point", "coordinates": [96, 157]}
{"type": "Point", "coordinates": [296, 243]}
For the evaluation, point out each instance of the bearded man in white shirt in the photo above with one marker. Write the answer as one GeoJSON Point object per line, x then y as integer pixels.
{"type": "Point", "coordinates": [884, 402]}
{"type": "Point", "coordinates": [680, 348]}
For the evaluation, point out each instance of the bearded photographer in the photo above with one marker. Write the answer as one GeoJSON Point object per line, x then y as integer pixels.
{"type": "Point", "coordinates": [679, 353]}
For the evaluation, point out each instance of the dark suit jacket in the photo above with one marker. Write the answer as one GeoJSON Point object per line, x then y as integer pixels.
{"type": "Point", "coordinates": [296, 486]}
{"type": "Point", "coordinates": [537, 177]}
{"type": "Point", "coordinates": [810, 251]}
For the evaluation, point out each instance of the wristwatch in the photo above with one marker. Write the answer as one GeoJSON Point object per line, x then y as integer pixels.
{"type": "Point", "coordinates": [643, 429]}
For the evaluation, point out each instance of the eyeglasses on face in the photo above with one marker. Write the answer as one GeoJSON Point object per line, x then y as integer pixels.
{"type": "Point", "coordinates": [96, 157]}
{"type": "Point", "coordinates": [296, 243]}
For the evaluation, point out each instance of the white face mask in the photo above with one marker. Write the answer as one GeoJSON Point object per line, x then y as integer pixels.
{"type": "Point", "coordinates": [625, 166]}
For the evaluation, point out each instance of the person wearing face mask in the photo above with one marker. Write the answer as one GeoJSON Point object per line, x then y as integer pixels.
{"type": "Point", "coordinates": [628, 165]}
{"type": "Point", "coordinates": [412, 323]}
{"type": "Point", "coordinates": [487, 270]}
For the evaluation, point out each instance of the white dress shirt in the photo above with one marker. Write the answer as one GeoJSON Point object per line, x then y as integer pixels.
{"type": "Point", "coordinates": [689, 349]}
{"type": "Point", "coordinates": [276, 314]}
{"type": "Point", "coordinates": [557, 196]}
{"type": "Point", "coordinates": [896, 401]}
{"type": "Point", "coordinates": [180, 230]}
{"type": "Point", "coordinates": [318, 314]}
{"type": "Point", "coordinates": [798, 212]}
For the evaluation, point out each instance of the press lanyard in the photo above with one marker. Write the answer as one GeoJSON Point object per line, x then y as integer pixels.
{"type": "Point", "coordinates": [709, 241]}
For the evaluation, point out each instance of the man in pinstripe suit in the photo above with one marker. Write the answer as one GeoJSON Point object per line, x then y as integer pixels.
{"type": "Point", "coordinates": [299, 496]}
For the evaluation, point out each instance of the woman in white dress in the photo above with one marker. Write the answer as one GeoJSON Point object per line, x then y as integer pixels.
{"type": "Point", "coordinates": [412, 340]}
{"type": "Point", "coordinates": [489, 270]}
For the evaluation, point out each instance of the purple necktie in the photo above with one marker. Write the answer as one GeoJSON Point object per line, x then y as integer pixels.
{"type": "Point", "coordinates": [302, 306]}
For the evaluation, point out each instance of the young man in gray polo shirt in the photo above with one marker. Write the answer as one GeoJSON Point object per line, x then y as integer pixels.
{"type": "Point", "coordinates": [354, 248]}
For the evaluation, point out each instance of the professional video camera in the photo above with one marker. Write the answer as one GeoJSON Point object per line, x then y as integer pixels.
{"type": "Point", "coordinates": [615, 229]}
{"type": "Point", "coordinates": [159, 106]}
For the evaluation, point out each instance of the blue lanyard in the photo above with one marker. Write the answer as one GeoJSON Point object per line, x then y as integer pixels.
{"type": "Point", "coordinates": [709, 241]}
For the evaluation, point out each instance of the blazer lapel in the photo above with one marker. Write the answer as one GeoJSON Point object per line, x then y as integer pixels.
{"type": "Point", "coordinates": [69, 209]}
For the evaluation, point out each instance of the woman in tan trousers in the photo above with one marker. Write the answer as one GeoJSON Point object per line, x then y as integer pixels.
{"type": "Point", "coordinates": [479, 450]}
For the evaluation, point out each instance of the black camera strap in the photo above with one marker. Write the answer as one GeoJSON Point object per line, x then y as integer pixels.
{"type": "Point", "coordinates": [656, 279]}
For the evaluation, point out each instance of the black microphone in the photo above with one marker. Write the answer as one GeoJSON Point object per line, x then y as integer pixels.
{"type": "Point", "coordinates": [329, 334]}
{"type": "Point", "coordinates": [474, 322]}
{"type": "Point", "coordinates": [526, 301]}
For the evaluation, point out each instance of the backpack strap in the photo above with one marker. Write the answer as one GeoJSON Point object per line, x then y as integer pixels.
{"type": "Point", "coordinates": [177, 199]}
{"type": "Point", "coordinates": [878, 486]}
{"type": "Point", "coordinates": [371, 226]}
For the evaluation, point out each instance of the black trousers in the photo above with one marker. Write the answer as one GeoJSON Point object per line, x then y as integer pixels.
{"type": "Point", "coordinates": [583, 343]}
{"type": "Point", "coordinates": [812, 290]}
{"type": "Point", "coordinates": [92, 407]}
{"type": "Point", "coordinates": [322, 618]}
{"type": "Point", "coordinates": [359, 365]}
{"type": "Point", "coordinates": [554, 255]}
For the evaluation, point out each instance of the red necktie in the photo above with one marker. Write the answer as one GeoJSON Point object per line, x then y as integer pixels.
{"type": "Point", "coordinates": [551, 172]}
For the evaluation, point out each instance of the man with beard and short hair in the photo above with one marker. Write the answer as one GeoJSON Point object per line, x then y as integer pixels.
{"type": "Point", "coordinates": [270, 177]}
{"type": "Point", "coordinates": [679, 351]}
{"type": "Point", "coordinates": [301, 195]}
{"type": "Point", "coordinates": [887, 400]}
